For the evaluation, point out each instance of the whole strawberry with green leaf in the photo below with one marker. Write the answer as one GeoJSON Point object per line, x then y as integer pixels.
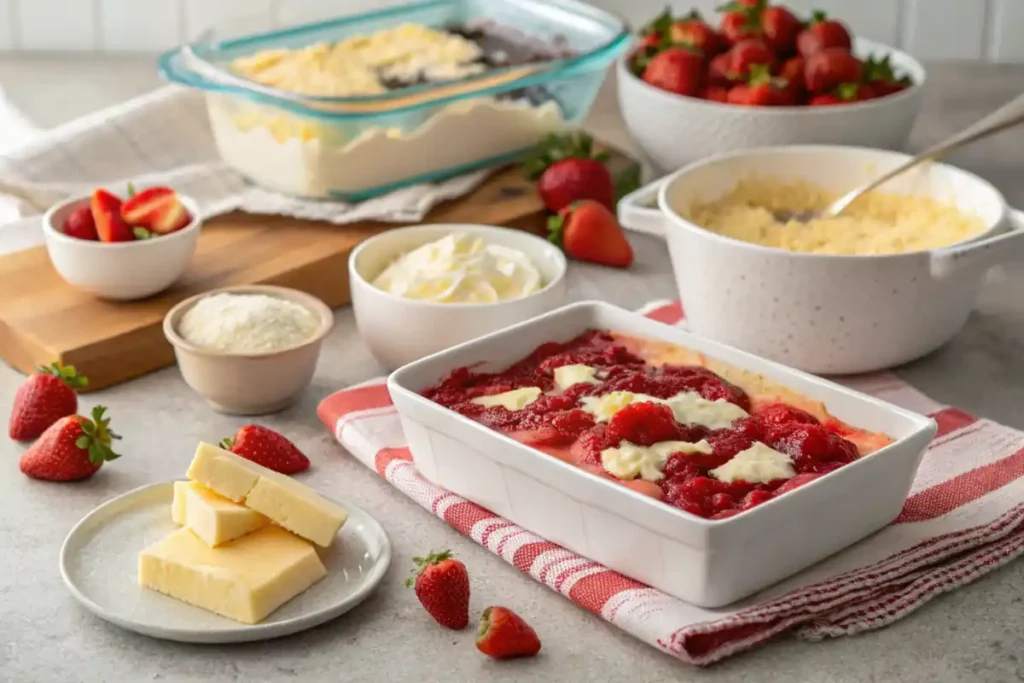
{"type": "Point", "coordinates": [442, 586]}
{"type": "Point", "coordinates": [567, 168]}
{"type": "Point", "coordinates": [73, 448]}
{"type": "Point", "coordinates": [44, 398]}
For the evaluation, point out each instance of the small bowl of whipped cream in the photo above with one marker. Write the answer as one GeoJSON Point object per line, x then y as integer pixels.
{"type": "Point", "coordinates": [419, 290]}
{"type": "Point", "coordinates": [248, 350]}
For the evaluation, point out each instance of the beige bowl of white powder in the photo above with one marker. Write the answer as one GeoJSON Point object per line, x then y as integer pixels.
{"type": "Point", "coordinates": [248, 350]}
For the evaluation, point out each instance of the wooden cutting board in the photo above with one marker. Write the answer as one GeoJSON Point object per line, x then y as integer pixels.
{"type": "Point", "coordinates": [43, 319]}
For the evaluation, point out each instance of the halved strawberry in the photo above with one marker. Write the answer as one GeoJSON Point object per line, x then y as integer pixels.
{"type": "Point", "coordinates": [157, 209]}
{"type": "Point", "coordinates": [106, 213]}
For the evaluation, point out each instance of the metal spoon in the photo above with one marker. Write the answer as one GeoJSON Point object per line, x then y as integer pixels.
{"type": "Point", "coordinates": [1007, 116]}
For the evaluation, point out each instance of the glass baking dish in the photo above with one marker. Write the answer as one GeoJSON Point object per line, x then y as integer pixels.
{"type": "Point", "coordinates": [352, 148]}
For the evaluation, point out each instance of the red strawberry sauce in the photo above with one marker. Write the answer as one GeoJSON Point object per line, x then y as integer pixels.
{"type": "Point", "coordinates": [556, 425]}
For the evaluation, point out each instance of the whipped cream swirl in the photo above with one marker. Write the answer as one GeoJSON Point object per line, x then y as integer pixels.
{"type": "Point", "coordinates": [460, 268]}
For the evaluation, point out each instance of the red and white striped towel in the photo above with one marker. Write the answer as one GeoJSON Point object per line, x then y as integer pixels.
{"type": "Point", "coordinates": [964, 517]}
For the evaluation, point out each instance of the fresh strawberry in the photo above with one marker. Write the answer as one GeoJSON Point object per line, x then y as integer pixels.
{"type": "Point", "coordinates": [822, 33]}
{"type": "Point", "coordinates": [72, 448]}
{"type": "Point", "coordinates": [106, 213]}
{"type": "Point", "coordinates": [718, 71]}
{"type": "Point", "coordinates": [44, 398]}
{"type": "Point", "coordinates": [780, 28]}
{"type": "Point", "coordinates": [503, 634]}
{"type": "Point", "coordinates": [716, 93]}
{"type": "Point", "coordinates": [825, 70]}
{"type": "Point", "coordinates": [679, 70]}
{"type": "Point", "coordinates": [156, 209]}
{"type": "Point", "coordinates": [266, 447]}
{"type": "Point", "coordinates": [879, 74]}
{"type": "Point", "coordinates": [792, 72]}
{"type": "Point", "coordinates": [692, 30]}
{"type": "Point", "coordinates": [844, 93]}
{"type": "Point", "coordinates": [653, 39]}
{"type": "Point", "coordinates": [567, 168]}
{"type": "Point", "coordinates": [442, 586]}
{"type": "Point", "coordinates": [746, 54]}
{"type": "Point", "coordinates": [741, 20]}
{"type": "Point", "coordinates": [80, 224]}
{"type": "Point", "coordinates": [588, 231]}
{"type": "Point", "coordinates": [761, 90]}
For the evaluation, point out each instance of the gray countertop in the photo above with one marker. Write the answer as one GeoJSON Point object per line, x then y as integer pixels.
{"type": "Point", "coordinates": [974, 634]}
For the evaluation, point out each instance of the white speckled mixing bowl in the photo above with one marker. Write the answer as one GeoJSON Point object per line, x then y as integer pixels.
{"type": "Point", "coordinates": [675, 131]}
{"type": "Point", "coordinates": [822, 313]}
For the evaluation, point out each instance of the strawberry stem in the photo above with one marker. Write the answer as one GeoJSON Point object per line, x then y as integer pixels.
{"type": "Point", "coordinates": [67, 373]}
{"type": "Point", "coordinates": [96, 437]}
{"type": "Point", "coordinates": [555, 147]}
{"type": "Point", "coordinates": [556, 225]}
{"type": "Point", "coordinates": [226, 444]}
{"type": "Point", "coordinates": [422, 563]}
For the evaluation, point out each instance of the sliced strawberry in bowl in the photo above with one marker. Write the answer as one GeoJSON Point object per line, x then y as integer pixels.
{"type": "Point", "coordinates": [156, 209]}
{"type": "Point", "coordinates": [106, 214]}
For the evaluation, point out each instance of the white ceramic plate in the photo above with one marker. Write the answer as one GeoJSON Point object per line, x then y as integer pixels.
{"type": "Point", "coordinates": [99, 564]}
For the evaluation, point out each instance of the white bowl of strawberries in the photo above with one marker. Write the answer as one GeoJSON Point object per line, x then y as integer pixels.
{"type": "Point", "coordinates": [763, 77]}
{"type": "Point", "coordinates": [122, 249]}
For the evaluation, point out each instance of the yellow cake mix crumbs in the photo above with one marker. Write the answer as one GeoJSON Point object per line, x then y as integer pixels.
{"type": "Point", "coordinates": [877, 223]}
{"type": "Point", "coordinates": [362, 64]}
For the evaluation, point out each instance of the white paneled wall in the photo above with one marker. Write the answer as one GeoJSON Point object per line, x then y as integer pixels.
{"type": "Point", "coordinates": [931, 29]}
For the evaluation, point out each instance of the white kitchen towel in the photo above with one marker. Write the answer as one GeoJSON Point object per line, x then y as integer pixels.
{"type": "Point", "coordinates": [164, 138]}
{"type": "Point", "coordinates": [963, 518]}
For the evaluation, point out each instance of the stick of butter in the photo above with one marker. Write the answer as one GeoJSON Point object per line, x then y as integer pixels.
{"type": "Point", "coordinates": [244, 580]}
{"type": "Point", "coordinates": [285, 501]}
{"type": "Point", "coordinates": [212, 518]}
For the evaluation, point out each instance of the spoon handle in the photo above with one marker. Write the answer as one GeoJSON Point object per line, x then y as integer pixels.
{"type": "Point", "coordinates": [1007, 116]}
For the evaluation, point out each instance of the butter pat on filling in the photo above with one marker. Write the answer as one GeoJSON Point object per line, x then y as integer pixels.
{"type": "Point", "coordinates": [214, 519]}
{"type": "Point", "coordinates": [285, 501]}
{"type": "Point", "coordinates": [629, 461]}
{"type": "Point", "coordinates": [517, 399]}
{"type": "Point", "coordinates": [759, 464]}
{"type": "Point", "coordinates": [568, 375]}
{"type": "Point", "coordinates": [244, 580]}
{"type": "Point", "coordinates": [688, 407]}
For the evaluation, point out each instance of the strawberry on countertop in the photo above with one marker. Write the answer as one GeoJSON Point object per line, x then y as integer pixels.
{"type": "Point", "coordinates": [503, 634]}
{"type": "Point", "coordinates": [44, 398]}
{"type": "Point", "coordinates": [442, 586]}
{"type": "Point", "coordinates": [106, 213]}
{"type": "Point", "coordinates": [72, 448]}
{"type": "Point", "coordinates": [266, 447]}
{"type": "Point", "coordinates": [588, 231]}
{"type": "Point", "coordinates": [567, 169]}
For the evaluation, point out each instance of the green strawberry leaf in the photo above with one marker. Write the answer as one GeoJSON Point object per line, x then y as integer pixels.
{"type": "Point", "coordinates": [83, 442]}
{"type": "Point", "coordinates": [627, 181]}
{"type": "Point", "coordinates": [131, 189]}
{"type": "Point", "coordinates": [226, 444]}
{"type": "Point", "coordinates": [142, 233]}
{"type": "Point", "coordinates": [556, 226]}
{"type": "Point", "coordinates": [555, 147]}
{"type": "Point", "coordinates": [817, 16]}
{"type": "Point", "coordinates": [847, 91]}
{"type": "Point", "coordinates": [661, 24]}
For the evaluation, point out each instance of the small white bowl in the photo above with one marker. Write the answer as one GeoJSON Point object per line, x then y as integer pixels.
{"type": "Point", "coordinates": [249, 383]}
{"type": "Point", "coordinates": [399, 331]}
{"type": "Point", "coordinates": [121, 271]}
{"type": "Point", "coordinates": [674, 130]}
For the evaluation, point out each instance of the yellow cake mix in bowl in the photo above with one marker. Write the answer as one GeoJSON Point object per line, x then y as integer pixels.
{"type": "Point", "coordinates": [877, 223]}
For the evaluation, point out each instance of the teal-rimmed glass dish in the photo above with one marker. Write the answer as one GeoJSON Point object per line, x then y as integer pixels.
{"type": "Point", "coordinates": [304, 146]}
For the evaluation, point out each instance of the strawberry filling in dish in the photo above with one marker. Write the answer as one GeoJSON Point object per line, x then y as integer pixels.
{"type": "Point", "coordinates": [661, 419]}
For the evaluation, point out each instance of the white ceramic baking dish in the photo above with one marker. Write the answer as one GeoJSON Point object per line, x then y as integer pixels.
{"type": "Point", "coordinates": [827, 314]}
{"type": "Point", "coordinates": [705, 562]}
